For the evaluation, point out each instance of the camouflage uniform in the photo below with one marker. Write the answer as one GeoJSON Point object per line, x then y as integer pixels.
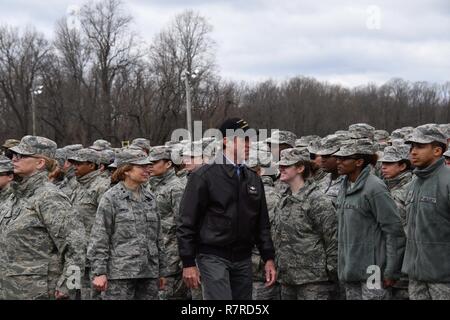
{"type": "Point", "coordinates": [126, 244]}
{"type": "Point", "coordinates": [281, 137]}
{"type": "Point", "coordinates": [398, 186]}
{"type": "Point", "coordinates": [5, 166]}
{"type": "Point", "coordinates": [33, 238]}
{"type": "Point", "coordinates": [69, 183]}
{"type": "Point", "coordinates": [91, 188]}
{"type": "Point", "coordinates": [260, 292]}
{"type": "Point", "coordinates": [305, 240]}
{"type": "Point", "coordinates": [168, 189]}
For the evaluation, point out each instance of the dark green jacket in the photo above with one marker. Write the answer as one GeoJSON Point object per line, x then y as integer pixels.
{"type": "Point", "coordinates": [427, 256]}
{"type": "Point", "coordinates": [370, 231]}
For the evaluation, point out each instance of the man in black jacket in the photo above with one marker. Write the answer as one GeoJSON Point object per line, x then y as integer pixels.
{"type": "Point", "coordinates": [223, 214]}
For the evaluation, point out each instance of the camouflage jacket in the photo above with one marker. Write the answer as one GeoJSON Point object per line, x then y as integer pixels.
{"type": "Point", "coordinates": [90, 189]}
{"type": "Point", "coordinates": [272, 198]}
{"type": "Point", "coordinates": [399, 190]}
{"type": "Point", "coordinates": [169, 190]}
{"type": "Point", "coordinates": [280, 186]}
{"type": "Point", "coordinates": [38, 230]}
{"type": "Point", "coordinates": [320, 177]}
{"type": "Point", "coordinates": [69, 184]}
{"type": "Point", "coordinates": [126, 240]}
{"type": "Point", "coordinates": [305, 237]}
{"type": "Point", "coordinates": [5, 194]}
{"type": "Point", "coordinates": [331, 187]}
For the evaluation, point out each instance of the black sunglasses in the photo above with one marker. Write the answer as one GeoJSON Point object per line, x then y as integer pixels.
{"type": "Point", "coordinates": [4, 174]}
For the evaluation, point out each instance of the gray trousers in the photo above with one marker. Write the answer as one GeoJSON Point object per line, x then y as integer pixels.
{"type": "Point", "coordinates": [222, 279]}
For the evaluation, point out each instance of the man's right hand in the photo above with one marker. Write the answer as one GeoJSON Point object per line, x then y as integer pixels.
{"type": "Point", "coordinates": [191, 277]}
{"type": "Point", "coordinates": [100, 283]}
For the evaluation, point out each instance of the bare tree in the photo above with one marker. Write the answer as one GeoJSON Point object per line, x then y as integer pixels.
{"type": "Point", "coordinates": [113, 44]}
{"type": "Point", "coordinates": [21, 63]}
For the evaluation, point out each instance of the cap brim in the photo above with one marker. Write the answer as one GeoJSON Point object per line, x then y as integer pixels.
{"type": "Point", "coordinates": [140, 162]}
{"type": "Point", "coordinates": [19, 150]}
{"type": "Point", "coordinates": [343, 153]}
{"type": "Point", "coordinates": [327, 152]}
{"type": "Point", "coordinates": [389, 159]}
{"type": "Point", "coordinates": [76, 159]}
{"type": "Point", "coordinates": [286, 163]}
{"type": "Point", "coordinates": [418, 140]}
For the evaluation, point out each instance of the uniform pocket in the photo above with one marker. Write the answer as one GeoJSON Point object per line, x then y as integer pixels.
{"type": "Point", "coordinates": [27, 283]}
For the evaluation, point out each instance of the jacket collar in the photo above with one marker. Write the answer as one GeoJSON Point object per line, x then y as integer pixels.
{"type": "Point", "coordinates": [400, 180]}
{"type": "Point", "coordinates": [430, 170]}
{"type": "Point", "coordinates": [88, 178]}
{"type": "Point", "coordinates": [359, 183]}
{"type": "Point", "coordinates": [156, 181]}
{"type": "Point", "coordinates": [29, 184]}
{"type": "Point", "coordinates": [301, 194]}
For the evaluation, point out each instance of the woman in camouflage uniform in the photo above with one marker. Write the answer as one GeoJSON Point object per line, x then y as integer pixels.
{"type": "Point", "coordinates": [396, 171]}
{"type": "Point", "coordinates": [41, 240]}
{"type": "Point", "coordinates": [305, 233]}
{"type": "Point", "coordinates": [126, 244]}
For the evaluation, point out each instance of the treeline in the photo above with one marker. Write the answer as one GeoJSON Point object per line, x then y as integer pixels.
{"type": "Point", "coordinates": [100, 81]}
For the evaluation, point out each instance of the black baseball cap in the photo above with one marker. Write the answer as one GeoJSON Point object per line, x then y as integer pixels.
{"type": "Point", "coordinates": [234, 124]}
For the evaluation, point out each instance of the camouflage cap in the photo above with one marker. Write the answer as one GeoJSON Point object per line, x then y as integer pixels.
{"type": "Point", "coordinates": [106, 156]}
{"type": "Point", "coordinates": [282, 137]}
{"type": "Point", "coordinates": [446, 129]}
{"type": "Point", "coordinates": [357, 146]}
{"type": "Point", "coordinates": [193, 149]}
{"type": "Point", "coordinates": [291, 156]}
{"type": "Point", "coordinates": [342, 133]}
{"type": "Point", "coordinates": [259, 155]}
{"type": "Point", "coordinates": [397, 134]}
{"type": "Point", "coordinates": [6, 165]}
{"type": "Point", "coordinates": [141, 143]}
{"type": "Point", "coordinates": [314, 147]}
{"type": "Point", "coordinates": [85, 155]}
{"type": "Point", "coordinates": [160, 153]}
{"type": "Point", "coordinates": [427, 133]}
{"type": "Point", "coordinates": [396, 142]}
{"type": "Point", "coordinates": [212, 149]}
{"type": "Point", "coordinates": [35, 145]}
{"type": "Point", "coordinates": [9, 143]}
{"type": "Point", "coordinates": [447, 154]}
{"type": "Point", "coordinates": [131, 156]}
{"type": "Point", "coordinates": [71, 149]}
{"type": "Point", "coordinates": [395, 153]}
{"type": "Point", "coordinates": [61, 156]}
{"type": "Point", "coordinates": [361, 131]}
{"type": "Point", "coordinates": [306, 140]}
{"type": "Point", "coordinates": [381, 135]}
{"type": "Point", "coordinates": [330, 144]}
{"type": "Point", "coordinates": [100, 145]}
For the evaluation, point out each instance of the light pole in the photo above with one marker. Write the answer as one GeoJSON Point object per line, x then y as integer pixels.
{"type": "Point", "coordinates": [186, 76]}
{"type": "Point", "coordinates": [34, 92]}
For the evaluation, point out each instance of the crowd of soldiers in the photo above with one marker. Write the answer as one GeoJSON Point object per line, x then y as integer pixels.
{"type": "Point", "coordinates": [100, 223]}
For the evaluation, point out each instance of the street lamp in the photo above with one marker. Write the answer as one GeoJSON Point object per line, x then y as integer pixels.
{"type": "Point", "coordinates": [186, 76]}
{"type": "Point", "coordinates": [35, 92]}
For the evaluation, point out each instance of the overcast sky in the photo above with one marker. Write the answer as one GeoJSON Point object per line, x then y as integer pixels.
{"type": "Point", "coordinates": [346, 42]}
